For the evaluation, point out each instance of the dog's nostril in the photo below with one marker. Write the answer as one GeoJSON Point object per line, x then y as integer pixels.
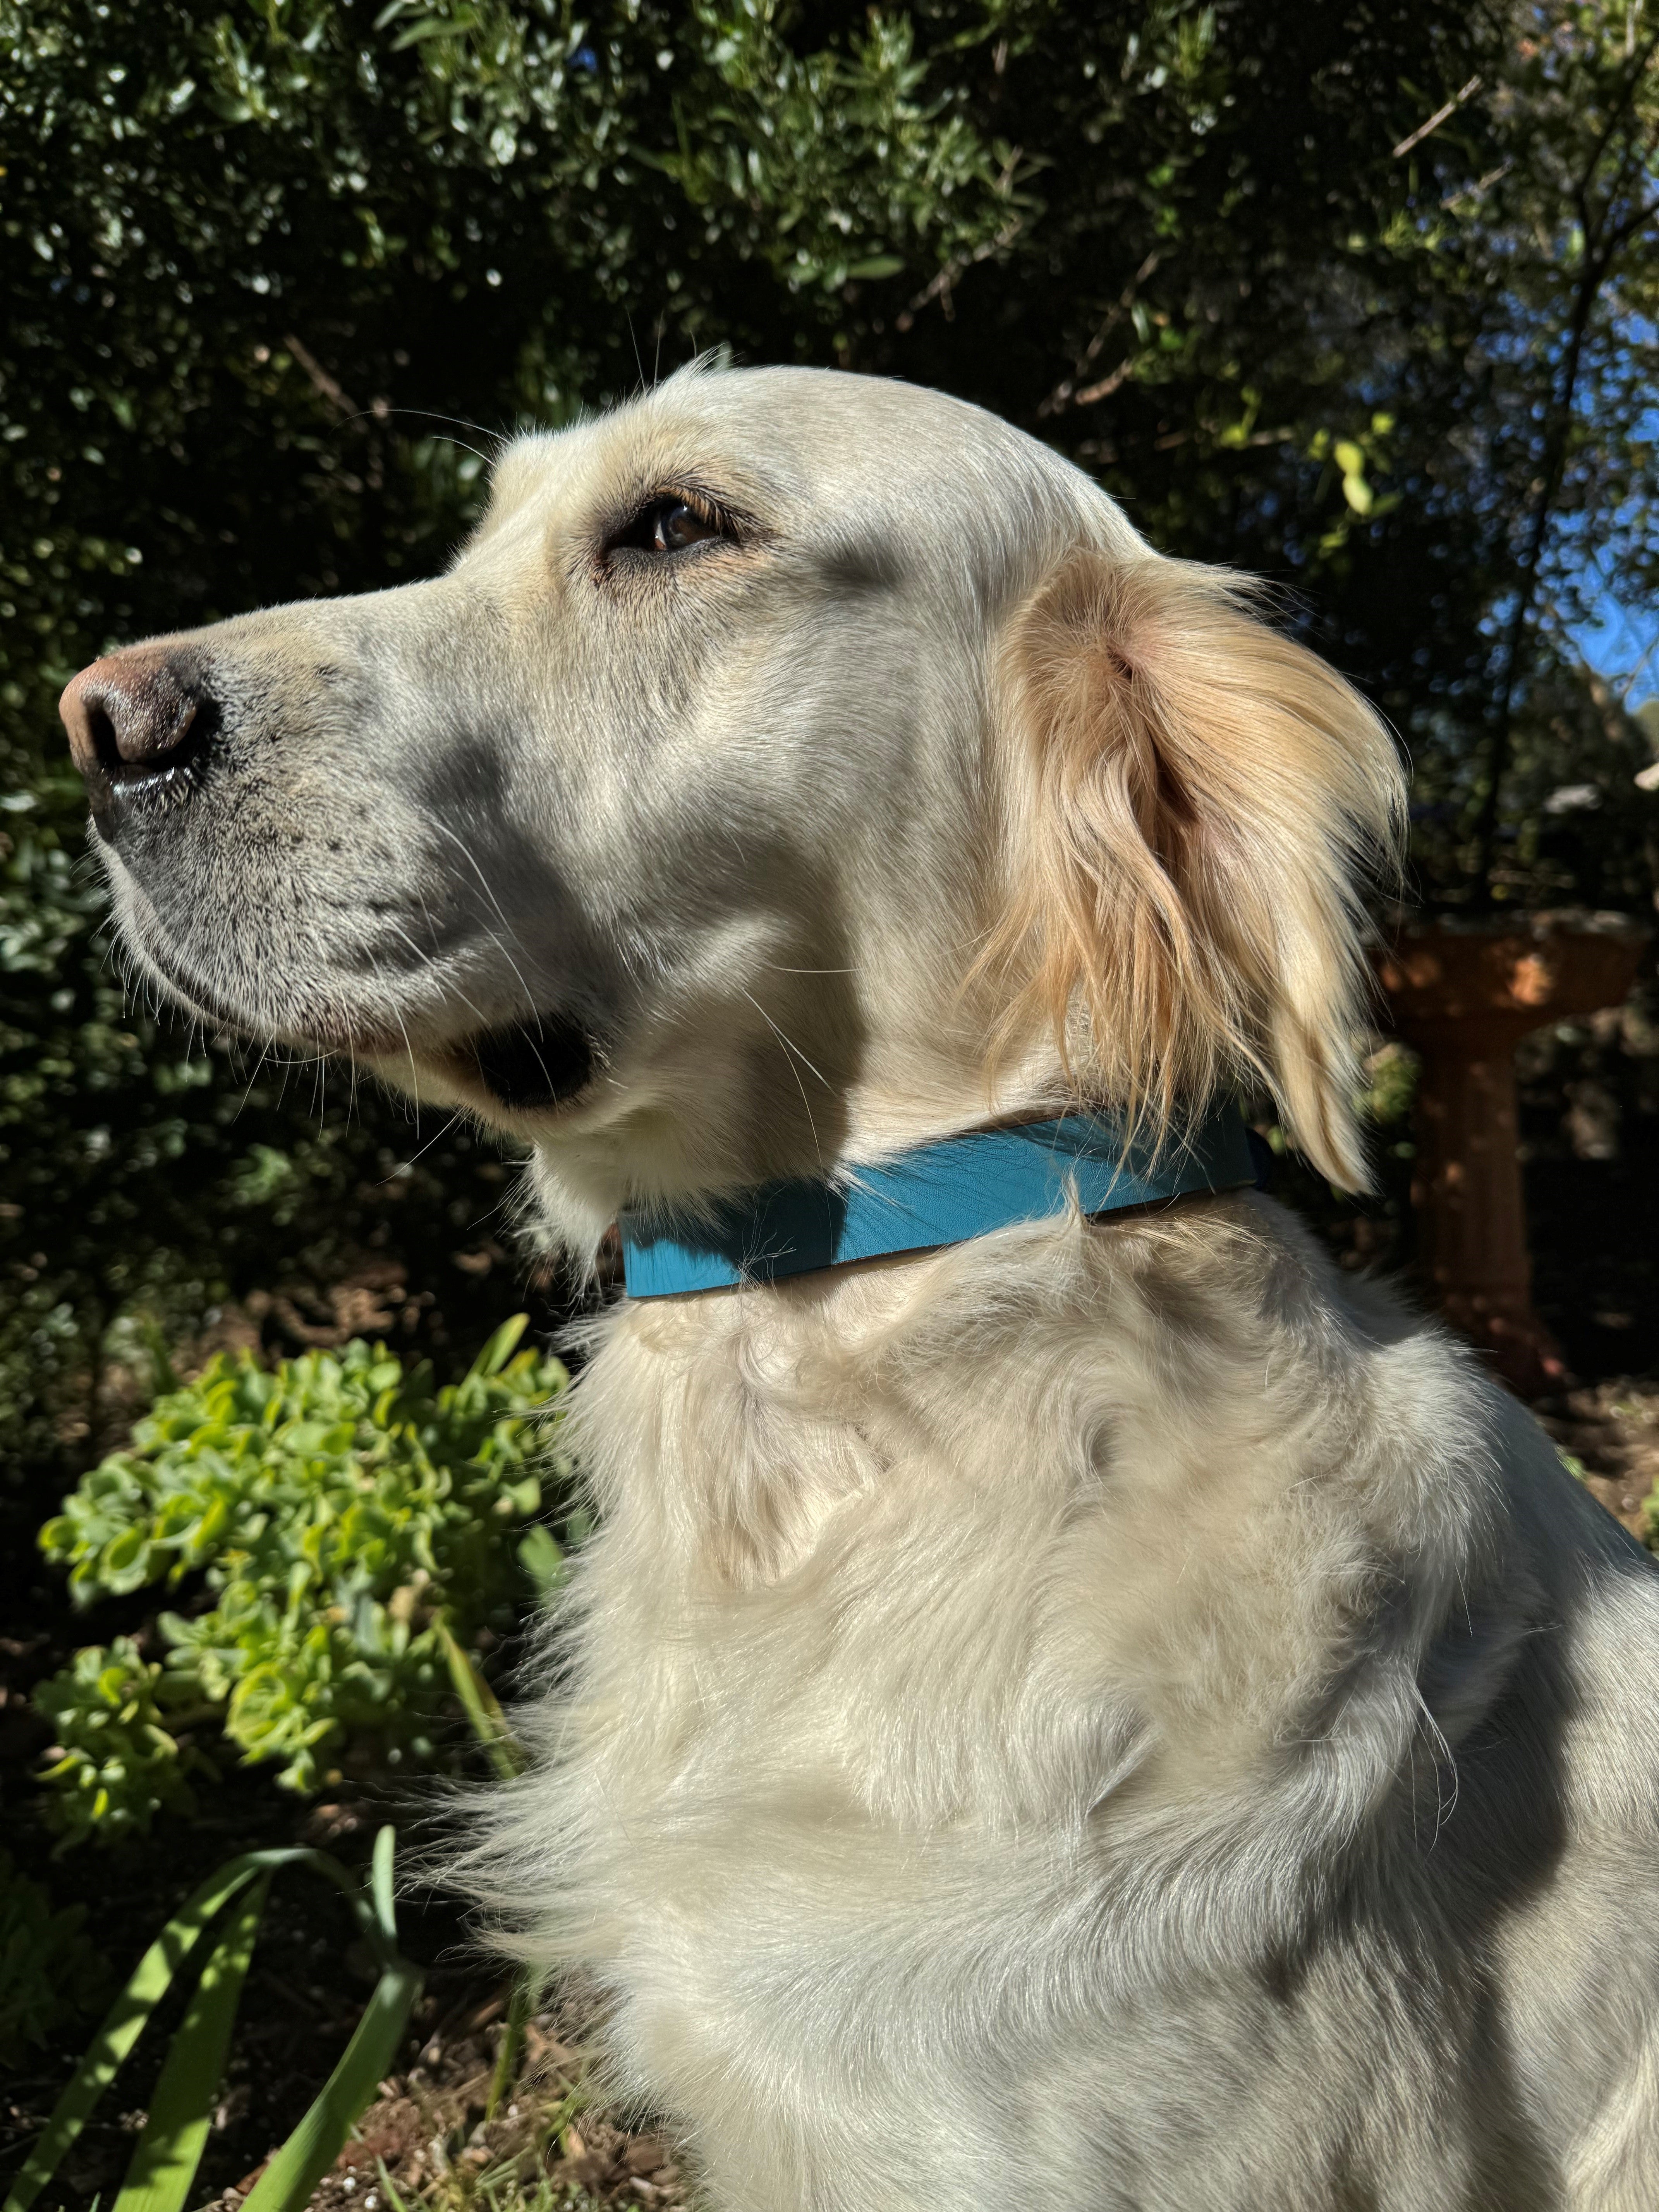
{"type": "Point", "coordinates": [106, 747]}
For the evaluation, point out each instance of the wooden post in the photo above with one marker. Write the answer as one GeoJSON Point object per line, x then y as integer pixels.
{"type": "Point", "coordinates": [1462, 998]}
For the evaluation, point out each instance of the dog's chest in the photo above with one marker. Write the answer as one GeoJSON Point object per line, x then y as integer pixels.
{"type": "Point", "coordinates": [839, 1719]}
{"type": "Point", "coordinates": [945, 1740]}
{"type": "Point", "coordinates": [796, 1830]}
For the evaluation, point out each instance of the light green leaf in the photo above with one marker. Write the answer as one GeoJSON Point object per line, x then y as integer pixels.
{"type": "Point", "coordinates": [542, 1560]}
{"type": "Point", "coordinates": [500, 1347]}
{"type": "Point", "coordinates": [479, 1702]}
{"type": "Point", "coordinates": [434, 27]}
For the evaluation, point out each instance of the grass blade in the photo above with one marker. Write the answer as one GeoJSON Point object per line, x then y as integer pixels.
{"type": "Point", "coordinates": [520, 2005]}
{"type": "Point", "coordinates": [124, 2023]}
{"type": "Point", "coordinates": [289, 2180]}
{"type": "Point", "coordinates": [380, 1890]}
{"type": "Point", "coordinates": [169, 2150]}
{"type": "Point", "coordinates": [479, 1702]}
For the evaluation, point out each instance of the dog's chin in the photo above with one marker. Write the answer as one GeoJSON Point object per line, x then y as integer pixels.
{"type": "Point", "coordinates": [298, 1025]}
{"type": "Point", "coordinates": [166, 968]}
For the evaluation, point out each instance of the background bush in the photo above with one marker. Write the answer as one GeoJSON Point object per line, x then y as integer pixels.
{"type": "Point", "coordinates": [52, 1975]}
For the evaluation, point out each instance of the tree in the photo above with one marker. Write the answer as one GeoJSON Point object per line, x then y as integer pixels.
{"type": "Point", "coordinates": [1575, 205]}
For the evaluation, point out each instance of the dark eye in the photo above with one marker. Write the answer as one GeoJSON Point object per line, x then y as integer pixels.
{"type": "Point", "coordinates": [669, 524]}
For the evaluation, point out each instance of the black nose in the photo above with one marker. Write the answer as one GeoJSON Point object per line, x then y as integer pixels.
{"type": "Point", "coordinates": [133, 716]}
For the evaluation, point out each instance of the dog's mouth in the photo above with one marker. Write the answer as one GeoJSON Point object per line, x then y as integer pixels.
{"type": "Point", "coordinates": [541, 1061]}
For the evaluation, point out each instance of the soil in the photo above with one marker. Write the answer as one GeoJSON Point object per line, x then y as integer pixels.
{"type": "Point", "coordinates": [1610, 1431]}
{"type": "Point", "coordinates": [428, 2129]}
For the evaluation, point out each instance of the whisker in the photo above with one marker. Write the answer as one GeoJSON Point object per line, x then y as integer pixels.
{"type": "Point", "coordinates": [489, 893]}
{"type": "Point", "coordinates": [788, 1042]}
{"type": "Point", "coordinates": [424, 1149]}
{"type": "Point", "coordinates": [789, 1048]}
{"type": "Point", "coordinates": [471, 1008]}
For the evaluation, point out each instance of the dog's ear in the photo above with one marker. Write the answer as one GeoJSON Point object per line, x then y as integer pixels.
{"type": "Point", "coordinates": [1194, 797]}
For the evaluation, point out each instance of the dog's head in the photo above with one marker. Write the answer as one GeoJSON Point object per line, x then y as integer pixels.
{"type": "Point", "coordinates": [791, 766]}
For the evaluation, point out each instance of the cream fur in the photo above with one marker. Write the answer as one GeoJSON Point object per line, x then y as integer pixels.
{"type": "Point", "coordinates": [1104, 1716]}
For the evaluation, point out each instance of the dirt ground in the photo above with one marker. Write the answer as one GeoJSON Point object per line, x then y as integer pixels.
{"type": "Point", "coordinates": [1608, 1434]}
{"type": "Point", "coordinates": [428, 2138]}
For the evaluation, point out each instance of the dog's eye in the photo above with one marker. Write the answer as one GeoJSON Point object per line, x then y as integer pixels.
{"type": "Point", "coordinates": [668, 525]}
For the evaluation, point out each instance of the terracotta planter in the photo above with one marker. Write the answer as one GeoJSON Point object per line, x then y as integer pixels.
{"type": "Point", "coordinates": [1463, 996]}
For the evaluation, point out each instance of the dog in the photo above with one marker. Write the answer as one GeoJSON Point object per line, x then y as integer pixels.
{"type": "Point", "coordinates": [1104, 1712]}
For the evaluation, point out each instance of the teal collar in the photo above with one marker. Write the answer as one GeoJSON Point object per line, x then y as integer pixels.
{"type": "Point", "coordinates": [940, 1194]}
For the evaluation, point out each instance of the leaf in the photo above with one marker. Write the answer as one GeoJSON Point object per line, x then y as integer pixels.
{"type": "Point", "coordinates": [542, 1561]}
{"type": "Point", "coordinates": [170, 2148]}
{"type": "Point", "coordinates": [520, 2006]}
{"type": "Point", "coordinates": [479, 1702]}
{"type": "Point", "coordinates": [288, 2182]}
{"type": "Point", "coordinates": [435, 27]}
{"type": "Point", "coordinates": [157, 2179]}
{"type": "Point", "coordinates": [520, 1498]}
{"type": "Point", "coordinates": [500, 1347]}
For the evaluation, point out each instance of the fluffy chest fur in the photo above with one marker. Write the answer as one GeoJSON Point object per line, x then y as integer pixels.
{"type": "Point", "coordinates": [1009, 1680]}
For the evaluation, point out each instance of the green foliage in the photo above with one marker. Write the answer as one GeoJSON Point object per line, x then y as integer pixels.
{"type": "Point", "coordinates": [50, 1973]}
{"type": "Point", "coordinates": [1391, 1076]}
{"type": "Point", "coordinates": [902, 176]}
{"type": "Point", "coordinates": [347, 1519]}
{"type": "Point", "coordinates": [114, 1765]}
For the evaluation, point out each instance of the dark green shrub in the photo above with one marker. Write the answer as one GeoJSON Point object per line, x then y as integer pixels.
{"type": "Point", "coordinates": [51, 1974]}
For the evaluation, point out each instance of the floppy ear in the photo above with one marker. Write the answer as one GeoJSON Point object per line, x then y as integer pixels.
{"type": "Point", "coordinates": [1194, 797]}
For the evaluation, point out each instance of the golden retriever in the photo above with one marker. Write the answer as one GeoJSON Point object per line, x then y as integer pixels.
{"type": "Point", "coordinates": [1104, 1713]}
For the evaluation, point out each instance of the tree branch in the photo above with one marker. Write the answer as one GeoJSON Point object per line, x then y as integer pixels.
{"type": "Point", "coordinates": [1064, 393]}
{"type": "Point", "coordinates": [1440, 116]}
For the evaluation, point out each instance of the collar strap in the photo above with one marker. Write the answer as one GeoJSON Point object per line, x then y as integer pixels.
{"type": "Point", "coordinates": [942, 1194]}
